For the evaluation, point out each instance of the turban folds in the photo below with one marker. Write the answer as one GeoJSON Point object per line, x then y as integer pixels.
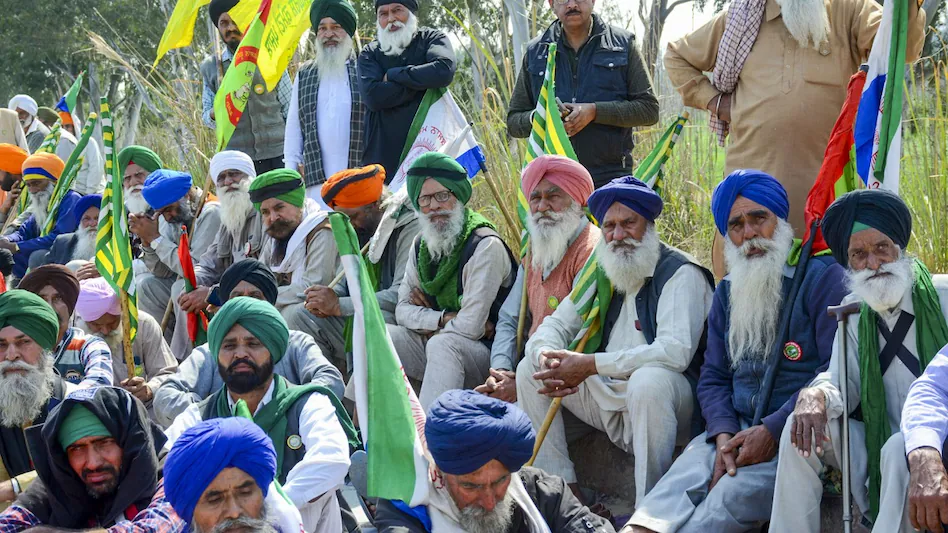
{"type": "Point", "coordinates": [466, 430]}
{"type": "Point", "coordinates": [47, 114]}
{"type": "Point", "coordinates": [253, 272]}
{"type": "Point", "coordinates": [283, 183]}
{"type": "Point", "coordinates": [261, 319]}
{"type": "Point", "coordinates": [79, 424]}
{"type": "Point", "coordinates": [412, 5]}
{"type": "Point", "coordinates": [30, 314]}
{"type": "Point", "coordinates": [218, 8]}
{"type": "Point", "coordinates": [354, 187]}
{"type": "Point", "coordinates": [12, 158]}
{"type": "Point", "coordinates": [206, 449]}
{"type": "Point", "coordinates": [165, 187]}
{"type": "Point", "coordinates": [24, 102]}
{"type": "Point", "coordinates": [863, 209]}
{"type": "Point", "coordinates": [339, 10]}
{"type": "Point", "coordinates": [441, 168]}
{"type": "Point", "coordinates": [96, 298]}
{"type": "Point", "coordinates": [629, 192]}
{"type": "Point", "coordinates": [42, 166]}
{"type": "Point", "coordinates": [231, 160]}
{"type": "Point", "coordinates": [84, 204]}
{"type": "Point", "coordinates": [140, 156]}
{"type": "Point", "coordinates": [755, 185]}
{"type": "Point", "coordinates": [59, 277]}
{"type": "Point", "coordinates": [65, 117]}
{"type": "Point", "coordinates": [561, 171]}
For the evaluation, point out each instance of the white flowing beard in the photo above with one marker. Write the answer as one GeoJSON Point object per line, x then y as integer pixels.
{"type": "Point", "coordinates": [393, 43]}
{"type": "Point", "coordinates": [441, 236]}
{"type": "Point", "coordinates": [134, 201]}
{"type": "Point", "coordinates": [756, 293]}
{"type": "Point", "coordinates": [550, 232]}
{"type": "Point", "coordinates": [885, 288]}
{"type": "Point", "coordinates": [476, 519]}
{"type": "Point", "coordinates": [628, 262]}
{"type": "Point", "coordinates": [331, 60]}
{"type": "Point", "coordinates": [39, 205]}
{"type": "Point", "coordinates": [22, 396]}
{"type": "Point", "coordinates": [806, 20]}
{"type": "Point", "coordinates": [85, 243]}
{"type": "Point", "coordinates": [235, 207]}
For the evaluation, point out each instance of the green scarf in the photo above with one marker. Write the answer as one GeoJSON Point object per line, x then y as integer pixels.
{"type": "Point", "coordinates": [931, 334]}
{"type": "Point", "coordinates": [272, 417]}
{"type": "Point", "coordinates": [444, 285]}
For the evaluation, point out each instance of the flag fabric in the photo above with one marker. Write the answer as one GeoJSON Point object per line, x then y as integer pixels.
{"type": "Point", "coordinates": [67, 104]}
{"type": "Point", "coordinates": [180, 29]}
{"type": "Point", "coordinates": [281, 37]}
{"type": "Point", "coordinates": [591, 295]}
{"type": "Point", "coordinates": [439, 125]}
{"type": "Point", "coordinates": [652, 169]}
{"type": "Point", "coordinates": [197, 322]}
{"type": "Point", "coordinates": [51, 141]}
{"type": "Point", "coordinates": [71, 169]}
{"type": "Point", "coordinates": [113, 250]}
{"type": "Point", "coordinates": [391, 418]}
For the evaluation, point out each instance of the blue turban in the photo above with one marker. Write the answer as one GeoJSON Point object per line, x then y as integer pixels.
{"type": "Point", "coordinates": [755, 185]}
{"type": "Point", "coordinates": [629, 192]}
{"type": "Point", "coordinates": [83, 205]}
{"type": "Point", "coordinates": [466, 430]}
{"type": "Point", "coordinates": [165, 187]}
{"type": "Point", "coordinates": [204, 450]}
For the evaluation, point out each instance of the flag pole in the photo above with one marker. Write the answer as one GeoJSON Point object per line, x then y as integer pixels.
{"type": "Point", "coordinates": [127, 335]}
{"type": "Point", "coordinates": [499, 199]}
{"type": "Point", "coordinates": [522, 318]}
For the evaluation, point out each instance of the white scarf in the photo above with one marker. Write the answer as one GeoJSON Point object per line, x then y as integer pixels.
{"type": "Point", "coordinates": [443, 519]}
{"type": "Point", "coordinates": [379, 241]}
{"type": "Point", "coordinates": [296, 248]}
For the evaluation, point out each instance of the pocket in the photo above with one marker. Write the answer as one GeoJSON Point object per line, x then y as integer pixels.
{"type": "Point", "coordinates": [821, 67]}
{"type": "Point", "coordinates": [536, 69]}
{"type": "Point", "coordinates": [609, 68]}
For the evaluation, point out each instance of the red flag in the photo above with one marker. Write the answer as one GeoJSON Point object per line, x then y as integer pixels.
{"type": "Point", "coordinates": [197, 322]}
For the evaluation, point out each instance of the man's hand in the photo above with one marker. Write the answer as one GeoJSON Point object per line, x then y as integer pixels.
{"type": "Point", "coordinates": [754, 445]}
{"type": "Point", "coordinates": [809, 420]}
{"type": "Point", "coordinates": [722, 108]}
{"type": "Point", "coordinates": [146, 227]}
{"type": "Point", "coordinates": [88, 271]}
{"type": "Point", "coordinates": [138, 388]}
{"type": "Point", "coordinates": [928, 490]}
{"type": "Point", "coordinates": [580, 115]}
{"type": "Point", "coordinates": [6, 491]}
{"type": "Point", "coordinates": [5, 244]}
{"type": "Point", "coordinates": [445, 318]}
{"type": "Point", "coordinates": [194, 301]}
{"type": "Point", "coordinates": [725, 461]}
{"type": "Point", "coordinates": [322, 301]}
{"type": "Point", "coordinates": [419, 298]}
{"type": "Point", "coordinates": [502, 384]}
{"type": "Point", "coordinates": [12, 197]}
{"type": "Point", "coordinates": [562, 371]}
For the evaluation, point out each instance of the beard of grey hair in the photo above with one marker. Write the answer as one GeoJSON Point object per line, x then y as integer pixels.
{"type": "Point", "coordinates": [441, 237]}
{"type": "Point", "coordinates": [85, 243]}
{"type": "Point", "coordinates": [235, 207]}
{"type": "Point", "coordinates": [476, 519]}
{"type": "Point", "coordinates": [22, 396]}
{"type": "Point", "coordinates": [806, 20]}
{"type": "Point", "coordinates": [39, 205]}
{"type": "Point", "coordinates": [756, 293]}
{"type": "Point", "coordinates": [552, 236]}
{"type": "Point", "coordinates": [185, 213]}
{"type": "Point", "coordinates": [883, 292]}
{"type": "Point", "coordinates": [394, 43]}
{"type": "Point", "coordinates": [134, 201]}
{"type": "Point", "coordinates": [628, 262]}
{"type": "Point", "coordinates": [331, 60]}
{"type": "Point", "coordinates": [255, 525]}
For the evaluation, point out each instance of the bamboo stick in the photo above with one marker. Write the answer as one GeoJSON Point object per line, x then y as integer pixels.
{"type": "Point", "coordinates": [127, 335]}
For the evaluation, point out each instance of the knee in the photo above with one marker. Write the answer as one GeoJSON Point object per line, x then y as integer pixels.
{"type": "Point", "coordinates": [176, 289]}
{"type": "Point", "coordinates": [525, 369]}
{"type": "Point", "coordinates": [444, 346]}
{"type": "Point", "coordinates": [786, 444]}
{"type": "Point", "coordinates": [652, 385]}
{"type": "Point", "coordinates": [893, 452]}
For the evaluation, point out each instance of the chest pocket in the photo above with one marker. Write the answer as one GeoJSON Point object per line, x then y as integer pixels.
{"type": "Point", "coordinates": [821, 66]}
{"type": "Point", "coordinates": [609, 72]}
{"type": "Point", "coordinates": [536, 67]}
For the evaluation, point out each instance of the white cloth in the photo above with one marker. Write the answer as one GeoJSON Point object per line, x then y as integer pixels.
{"type": "Point", "coordinates": [91, 176]}
{"type": "Point", "coordinates": [443, 519]}
{"type": "Point", "coordinates": [333, 116]}
{"type": "Point", "coordinates": [315, 193]}
{"type": "Point", "coordinates": [232, 160]}
{"type": "Point", "coordinates": [293, 134]}
{"type": "Point", "coordinates": [24, 102]}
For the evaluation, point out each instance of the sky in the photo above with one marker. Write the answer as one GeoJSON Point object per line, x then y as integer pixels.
{"type": "Point", "coordinates": [682, 20]}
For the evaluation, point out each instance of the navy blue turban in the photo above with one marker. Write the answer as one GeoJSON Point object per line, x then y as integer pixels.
{"type": "Point", "coordinates": [83, 205]}
{"type": "Point", "coordinates": [863, 209]}
{"type": "Point", "coordinates": [755, 185]}
{"type": "Point", "coordinates": [629, 192]}
{"type": "Point", "coordinates": [203, 451]}
{"type": "Point", "coordinates": [165, 187]}
{"type": "Point", "coordinates": [466, 430]}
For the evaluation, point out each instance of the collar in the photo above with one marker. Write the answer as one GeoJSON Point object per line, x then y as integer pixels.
{"type": "Point", "coordinates": [227, 55]}
{"type": "Point", "coordinates": [771, 10]}
{"type": "Point", "coordinates": [263, 401]}
{"type": "Point", "coordinates": [597, 28]}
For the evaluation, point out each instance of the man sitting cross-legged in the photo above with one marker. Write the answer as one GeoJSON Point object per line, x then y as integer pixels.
{"type": "Point", "coordinates": [79, 245]}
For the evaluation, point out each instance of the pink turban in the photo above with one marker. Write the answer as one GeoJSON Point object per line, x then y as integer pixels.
{"type": "Point", "coordinates": [96, 298]}
{"type": "Point", "coordinates": [563, 172]}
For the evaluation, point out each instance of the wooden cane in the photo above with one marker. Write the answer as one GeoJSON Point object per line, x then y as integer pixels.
{"type": "Point", "coordinates": [127, 335]}
{"type": "Point", "coordinates": [522, 318]}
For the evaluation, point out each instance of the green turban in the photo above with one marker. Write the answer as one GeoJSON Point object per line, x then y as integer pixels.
{"type": "Point", "coordinates": [260, 318]}
{"type": "Point", "coordinates": [339, 10]}
{"type": "Point", "coordinates": [284, 184]}
{"type": "Point", "coordinates": [441, 168]}
{"type": "Point", "coordinates": [30, 314]}
{"type": "Point", "coordinates": [141, 156]}
{"type": "Point", "coordinates": [79, 424]}
{"type": "Point", "coordinates": [46, 114]}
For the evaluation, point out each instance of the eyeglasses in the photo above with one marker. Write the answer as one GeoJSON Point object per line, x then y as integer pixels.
{"type": "Point", "coordinates": [440, 197]}
{"type": "Point", "coordinates": [564, 2]}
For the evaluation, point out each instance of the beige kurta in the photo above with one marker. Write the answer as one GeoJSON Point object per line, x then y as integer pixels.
{"type": "Point", "coordinates": [151, 349]}
{"type": "Point", "coordinates": [319, 268]}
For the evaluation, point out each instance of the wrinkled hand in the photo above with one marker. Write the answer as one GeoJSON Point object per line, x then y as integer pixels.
{"type": "Point", "coordinates": [725, 461]}
{"type": "Point", "coordinates": [138, 388]}
{"type": "Point", "coordinates": [502, 384]}
{"type": "Point", "coordinates": [754, 445]}
{"type": "Point", "coordinates": [194, 301]}
{"type": "Point", "coordinates": [562, 371]}
{"type": "Point", "coordinates": [322, 301]}
{"type": "Point", "coordinates": [419, 298]}
{"type": "Point", "coordinates": [88, 271]}
{"type": "Point", "coordinates": [721, 110]}
{"type": "Point", "coordinates": [580, 115]}
{"type": "Point", "coordinates": [809, 420]}
{"type": "Point", "coordinates": [146, 227]}
{"type": "Point", "coordinates": [928, 490]}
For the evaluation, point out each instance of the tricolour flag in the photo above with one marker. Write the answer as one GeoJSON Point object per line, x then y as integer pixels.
{"type": "Point", "coordinates": [197, 322]}
{"type": "Point", "coordinates": [180, 29]}
{"type": "Point", "coordinates": [652, 169]}
{"type": "Point", "coordinates": [67, 104]}
{"type": "Point", "coordinates": [113, 250]}
{"type": "Point", "coordinates": [71, 169]}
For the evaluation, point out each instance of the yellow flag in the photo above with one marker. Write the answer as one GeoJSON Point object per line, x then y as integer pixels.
{"type": "Point", "coordinates": [288, 20]}
{"type": "Point", "coordinates": [244, 12]}
{"type": "Point", "coordinates": [180, 29]}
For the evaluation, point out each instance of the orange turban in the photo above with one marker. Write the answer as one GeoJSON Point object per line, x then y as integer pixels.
{"type": "Point", "coordinates": [12, 158]}
{"type": "Point", "coordinates": [354, 187]}
{"type": "Point", "coordinates": [65, 117]}
{"type": "Point", "coordinates": [41, 166]}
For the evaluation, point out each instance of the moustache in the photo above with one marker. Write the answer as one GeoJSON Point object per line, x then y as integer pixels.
{"type": "Point", "coordinates": [7, 366]}
{"type": "Point", "coordinates": [253, 366]}
{"type": "Point", "coordinates": [573, 12]}
{"type": "Point", "coordinates": [330, 42]}
{"type": "Point", "coordinates": [278, 226]}
{"type": "Point", "coordinates": [105, 469]}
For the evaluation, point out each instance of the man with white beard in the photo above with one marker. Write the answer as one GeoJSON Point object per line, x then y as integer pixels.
{"type": "Point", "coordinates": [728, 472]}
{"type": "Point", "coordinates": [634, 381]}
{"type": "Point", "coordinates": [26, 109]}
{"type": "Point", "coordinates": [78, 246]}
{"type": "Point", "coordinates": [899, 329]}
{"type": "Point", "coordinates": [459, 273]}
{"type": "Point", "coordinates": [324, 127]}
{"type": "Point", "coordinates": [561, 240]}
{"type": "Point", "coordinates": [395, 72]}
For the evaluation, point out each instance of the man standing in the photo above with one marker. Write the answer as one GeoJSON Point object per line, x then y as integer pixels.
{"type": "Point", "coordinates": [601, 77]}
{"type": "Point", "coordinates": [260, 130]}
{"type": "Point", "coordinates": [26, 110]}
{"type": "Point", "coordinates": [80, 245]}
{"type": "Point", "coordinates": [395, 71]}
{"type": "Point", "coordinates": [324, 128]}
{"type": "Point", "coordinates": [90, 179]}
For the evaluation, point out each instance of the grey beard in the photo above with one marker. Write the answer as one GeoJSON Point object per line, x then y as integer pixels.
{"type": "Point", "coordinates": [394, 43]}
{"type": "Point", "coordinates": [628, 262]}
{"type": "Point", "coordinates": [806, 20]}
{"type": "Point", "coordinates": [756, 293]}
{"type": "Point", "coordinates": [135, 202]}
{"type": "Point", "coordinates": [441, 237]}
{"type": "Point", "coordinates": [256, 525]}
{"type": "Point", "coordinates": [22, 397]}
{"type": "Point", "coordinates": [85, 244]}
{"type": "Point", "coordinates": [185, 213]}
{"type": "Point", "coordinates": [331, 61]}
{"type": "Point", "coordinates": [39, 205]}
{"type": "Point", "coordinates": [884, 292]}
{"type": "Point", "coordinates": [235, 208]}
{"type": "Point", "coordinates": [551, 238]}
{"type": "Point", "coordinates": [476, 519]}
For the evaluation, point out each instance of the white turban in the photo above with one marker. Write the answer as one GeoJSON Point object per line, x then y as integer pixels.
{"type": "Point", "coordinates": [232, 160]}
{"type": "Point", "coordinates": [25, 103]}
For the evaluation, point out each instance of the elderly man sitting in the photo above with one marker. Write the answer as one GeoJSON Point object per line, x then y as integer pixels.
{"type": "Point", "coordinates": [78, 246]}
{"type": "Point", "coordinates": [479, 446]}
{"type": "Point", "coordinates": [635, 381]}
{"type": "Point", "coordinates": [728, 472]}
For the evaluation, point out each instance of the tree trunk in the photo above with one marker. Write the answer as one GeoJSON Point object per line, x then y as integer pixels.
{"type": "Point", "coordinates": [520, 22]}
{"type": "Point", "coordinates": [133, 113]}
{"type": "Point", "coordinates": [477, 58]}
{"type": "Point", "coordinates": [653, 33]}
{"type": "Point", "coordinates": [95, 95]}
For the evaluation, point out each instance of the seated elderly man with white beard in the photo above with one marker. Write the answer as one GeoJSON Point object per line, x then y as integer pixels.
{"type": "Point", "coordinates": [899, 329]}
{"type": "Point", "coordinates": [724, 480]}
{"type": "Point", "coordinates": [78, 246]}
{"type": "Point", "coordinates": [634, 380]}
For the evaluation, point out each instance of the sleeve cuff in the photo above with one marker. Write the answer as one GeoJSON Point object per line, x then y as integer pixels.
{"type": "Point", "coordinates": [774, 424]}
{"type": "Point", "coordinates": [704, 93]}
{"type": "Point", "coordinates": [722, 425]}
{"type": "Point", "coordinates": [346, 308]}
{"type": "Point", "coordinates": [922, 437]}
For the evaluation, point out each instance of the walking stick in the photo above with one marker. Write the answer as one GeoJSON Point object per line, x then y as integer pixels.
{"type": "Point", "coordinates": [521, 319]}
{"type": "Point", "coordinates": [840, 312]}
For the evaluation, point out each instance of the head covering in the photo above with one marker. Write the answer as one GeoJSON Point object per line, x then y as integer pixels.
{"type": "Point", "coordinates": [24, 102]}
{"type": "Point", "coordinates": [79, 424]}
{"type": "Point", "coordinates": [232, 160]}
{"type": "Point", "coordinates": [339, 10]}
{"type": "Point", "coordinates": [84, 204]}
{"type": "Point", "coordinates": [65, 117]}
{"type": "Point", "coordinates": [218, 8]}
{"type": "Point", "coordinates": [466, 430]}
{"type": "Point", "coordinates": [629, 192]}
{"type": "Point", "coordinates": [30, 314]}
{"type": "Point", "coordinates": [563, 172]}
{"type": "Point", "coordinates": [141, 156]}
{"type": "Point", "coordinates": [283, 183]}
{"type": "Point", "coordinates": [261, 319]}
{"type": "Point", "coordinates": [6, 264]}
{"type": "Point", "coordinates": [412, 5]}
{"type": "Point", "coordinates": [755, 185]}
{"type": "Point", "coordinates": [206, 449]}
{"type": "Point", "coordinates": [96, 298]}
{"type": "Point", "coordinates": [441, 168]}
{"type": "Point", "coordinates": [61, 278]}
{"type": "Point", "coordinates": [864, 209]}
{"type": "Point", "coordinates": [12, 158]}
{"type": "Point", "coordinates": [42, 166]}
{"type": "Point", "coordinates": [253, 272]}
{"type": "Point", "coordinates": [165, 187]}
{"type": "Point", "coordinates": [11, 131]}
{"type": "Point", "coordinates": [46, 114]}
{"type": "Point", "coordinates": [354, 187]}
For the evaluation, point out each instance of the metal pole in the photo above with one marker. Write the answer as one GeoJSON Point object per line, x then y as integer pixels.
{"type": "Point", "coordinates": [840, 312]}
